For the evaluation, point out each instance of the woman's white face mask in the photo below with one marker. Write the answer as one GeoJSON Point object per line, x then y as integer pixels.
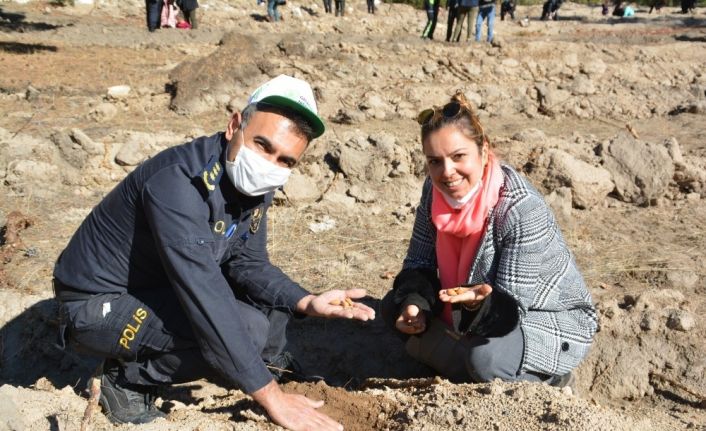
{"type": "Point", "coordinates": [252, 174]}
{"type": "Point", "coordinates": [458, 203]}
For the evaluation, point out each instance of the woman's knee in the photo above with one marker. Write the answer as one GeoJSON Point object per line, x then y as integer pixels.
{"type": "Point", "coordinates": [495, 358]}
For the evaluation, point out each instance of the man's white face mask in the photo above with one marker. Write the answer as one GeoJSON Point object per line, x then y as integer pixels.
{"type": "Point", "coordinates": [254, 175]}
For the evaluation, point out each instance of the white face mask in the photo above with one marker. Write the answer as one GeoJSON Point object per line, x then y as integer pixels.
{"type": "Point", "coordinates": [458, 203]}
{"type": "Point", "coordinates": [254, 175]}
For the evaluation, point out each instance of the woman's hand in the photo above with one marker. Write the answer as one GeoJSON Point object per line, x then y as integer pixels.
{"type": "Point", "coordinates": [412, 320]}
{"type": "Point", "coordinates": [337, 304]}
{"type": "Point", "coordinates": [470, 297]}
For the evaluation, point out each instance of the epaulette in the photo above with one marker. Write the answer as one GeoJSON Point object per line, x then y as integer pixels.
{"type": "Point", "coordinates": [211, 174]}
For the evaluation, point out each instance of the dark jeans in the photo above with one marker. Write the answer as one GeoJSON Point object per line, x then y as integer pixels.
{"type": "Point", "coordinates": [485, 358]}
{"type": "Point", "coordinates": [154, 14]}
{"type": "Point", "coordinates": [153, 338]}
{"type": "Point", "coordinates": [272, 11]}
{"type": "Point", "coordinates": [453, 12]}
{"type": "Point", "coordinates": [327, 6]}
{"type": "Point", "coordinates": [340, 7]}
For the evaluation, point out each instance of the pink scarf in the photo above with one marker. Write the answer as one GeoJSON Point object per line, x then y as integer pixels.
{"type": "Point", "coordinates": [459, 231]}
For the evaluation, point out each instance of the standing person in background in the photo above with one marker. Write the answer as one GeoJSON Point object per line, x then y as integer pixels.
{"type": "Point", "coordinates": [327, 6]}
{"type": "Point", "coordinates": [465, 9]}
{"type": "Point", "coordinates": [371, 6]}
{"type": "Point", "coordinates": [154, 14]}
{"type": "Point", "coordinates": [452, 7]}
{"type": "Point", "coordinates": [507, 7]}
{"type": "Point", "coordinates": [550, 9]}
{"type": "Point", "coordinates": [340, 7]}
{"type": "Point", "coordinates": [188, 8]}
{"type": "Point", "coordinates": [273, 14]}
{"type": "Point", "coordinates": [432, 9]}
{"type": "Point", "coordinates": [486, 10]}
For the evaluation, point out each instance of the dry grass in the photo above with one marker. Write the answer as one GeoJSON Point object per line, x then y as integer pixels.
{"type": "Point", "coordinates": [353, 254]}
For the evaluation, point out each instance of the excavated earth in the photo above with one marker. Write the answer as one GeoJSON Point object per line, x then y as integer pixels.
{"type": "Point", "coordinates": [604, 115]}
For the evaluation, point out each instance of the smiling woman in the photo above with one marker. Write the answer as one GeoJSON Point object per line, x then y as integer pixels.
{"type": "Point", "coordinates": [489, 288]}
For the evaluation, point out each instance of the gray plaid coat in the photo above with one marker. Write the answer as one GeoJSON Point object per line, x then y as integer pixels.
{"type": "Point", "coordinates": [524, 254]}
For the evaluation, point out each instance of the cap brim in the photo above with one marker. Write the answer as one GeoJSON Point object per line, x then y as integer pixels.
{"type": "Point", "coordinates": [316, 123]}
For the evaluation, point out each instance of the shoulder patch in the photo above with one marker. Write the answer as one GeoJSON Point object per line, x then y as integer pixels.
{"type": "Point", "coordinates": [212, 174]}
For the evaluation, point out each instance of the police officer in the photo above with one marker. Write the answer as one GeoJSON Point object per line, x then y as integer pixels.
{"type": "Point", "coordinates": [169, 280]}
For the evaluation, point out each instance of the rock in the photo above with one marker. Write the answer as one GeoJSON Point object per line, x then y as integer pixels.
{"type": "Point", "coordinates": [531, 136]}
{"type": "Point", "coordinates": [510, 63]}
{"type": "Point", "coordinates": [589, 184]}
{"type": "Point", "coordinates": [658, 298]}
{"type": "Point", "coordinates": [571, 60]}
{"type": "Point", "coordinates": [594, 68]}
{"type": "Point", "coordinates": [693, 197]}
{"type": "Point", "coordinates": [103, 112]}
{"type": "Point", "coordinates": [10, 416]}
{"type": "Point", "coordinates": [650, 321]}
{"type": "Point", "coordinates": [86, 143]}
{"type": "Point", "coordinates": [119, 91]}
{"type": "Point", "coordinates": [137, 148]}
{"type": "Point", "coordinates": [375, 106]}
{"type": "Point", "coordinates": [362, 194]}
{"type": "Point", "coordinates": [29, 176]}
{"type": "Point", "coordinates": [348, 116]}
{"type": "Point", "coordinates": [385, 143]}
{"type": "Point", "coordinates": [342, 201]}
{"type": "Point", "coordinates": [680, 320]}
{"type": "Point", "coordinates": [582, 86]}
{"type": "Point", "coordinates": [70, 150]}
{"type": "Point", "coordinates": [641, 171]}
{"type": "Point", "coordinates": [353, 163]}
{"type": "Point", "coordinates": [326, 223]}
{"type": "Point", "coordinates": [235, 68]}
{"type": "Point", "coordinates": [560, 201]}
{"type": "Point", "coordinates": [674, 150]}
{"type": "Point", "coordinates": [301, 188]}
{"type": "Point", "coordinates": [682, 280]}
{"type": "Point", "coordinates": [31, 94]}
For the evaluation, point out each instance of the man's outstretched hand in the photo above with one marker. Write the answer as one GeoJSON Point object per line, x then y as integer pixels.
{"type": "Point", "coordinates": [337, 303]}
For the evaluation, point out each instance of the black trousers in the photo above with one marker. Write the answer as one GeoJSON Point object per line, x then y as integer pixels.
{"type": "Point", "coordinates": [152, 337]}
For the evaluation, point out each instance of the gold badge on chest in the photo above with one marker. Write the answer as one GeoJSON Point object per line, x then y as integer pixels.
{"type": "Point", "coordinates": [256, 218]}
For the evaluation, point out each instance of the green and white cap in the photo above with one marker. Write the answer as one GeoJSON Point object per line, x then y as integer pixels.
{"type": "Point", "coordinates": [291, 93]}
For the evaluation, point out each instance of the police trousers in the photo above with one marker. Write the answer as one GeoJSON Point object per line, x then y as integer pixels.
{"type": "Point", "coordinates": [151, 336]}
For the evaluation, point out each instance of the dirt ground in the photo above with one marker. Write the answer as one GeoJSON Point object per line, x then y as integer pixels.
{"type": "Point", "coordinates": [604, 115]}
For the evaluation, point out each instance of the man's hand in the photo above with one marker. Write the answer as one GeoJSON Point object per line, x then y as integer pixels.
{"type": "Point", "coordinates": [292, 411]}
{"type": "Point", "coordinates": [333, 304]}
{"type": "Point", "coordinates": [412, 320]}
{"type": "Point", "coordinates": [470, 297]}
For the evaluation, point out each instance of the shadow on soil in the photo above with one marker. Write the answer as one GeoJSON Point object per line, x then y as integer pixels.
{"type": "Point", "coordinates": [344, 352]}
{"type": "Point", "coordinates": [347, 352]}
{"type": "Point", "coordinates": [26, 48]}
{"type": "Point", "coordinates": [28, 351]}
{"type": "Point", "coordinates": [16, 22]}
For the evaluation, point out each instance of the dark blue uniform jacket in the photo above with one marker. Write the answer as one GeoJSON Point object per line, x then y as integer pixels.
{"type": "Point", "coordinates": [178, 223]}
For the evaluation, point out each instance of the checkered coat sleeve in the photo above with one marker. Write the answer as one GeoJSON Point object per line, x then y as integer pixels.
{"type": "Point", "coordinates": [524, 254]}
